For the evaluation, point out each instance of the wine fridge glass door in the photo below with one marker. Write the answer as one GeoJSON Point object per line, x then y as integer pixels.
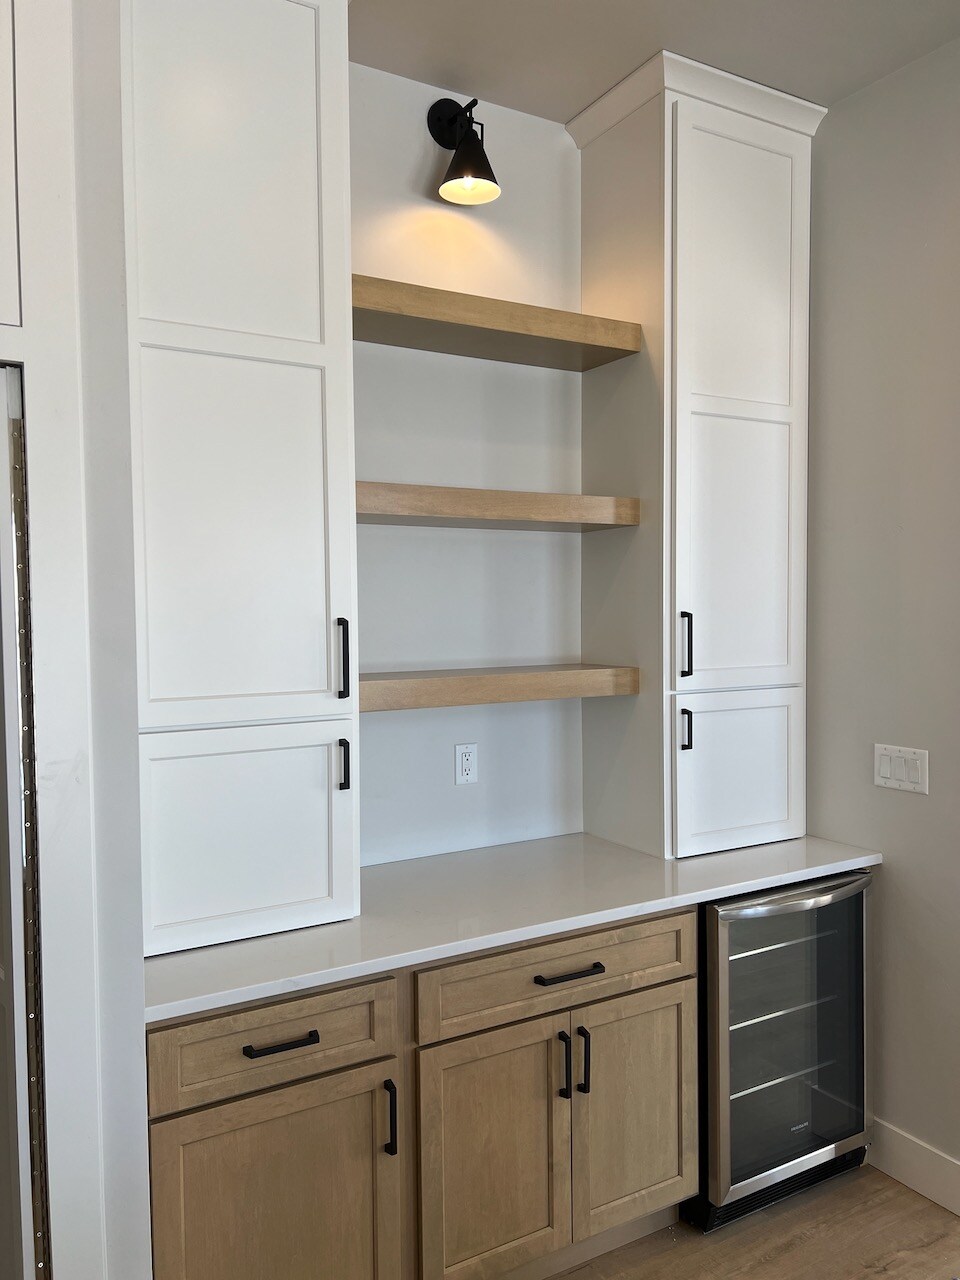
{"type": "Point", "coordinates": [787, 1033]}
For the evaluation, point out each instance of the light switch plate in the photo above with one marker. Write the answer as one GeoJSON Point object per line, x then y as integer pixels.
{"type": "Point", "coordinates": [903, 768]}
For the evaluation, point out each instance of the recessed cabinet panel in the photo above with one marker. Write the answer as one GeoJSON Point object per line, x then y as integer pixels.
{"type": "Point", "coordinates": [635, 1115]}
{"type": "Point", "coordinates": [738, 769]}
{"type": "Point", "coordinates": [9, 234]}
{"type": "Point", "coordinates": [235, 580]}
{"type": "Point", "coordinates": [226, 111]}
{"type": "Point", "coordinates": [245, 831]}
{"type": "Point", "coordinates": [293, 1183]}
{"type": "Point", "coordinates": [740, 499]}
{"type": "Point", "coordinates": [495, 1151]}
{"type": "Point", "coordinates": [736, 188]}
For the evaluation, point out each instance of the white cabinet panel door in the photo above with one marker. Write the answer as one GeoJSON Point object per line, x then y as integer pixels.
{"type": "Point", "coordinates": [242, 576]}
{"type": "Point", "coordinates": [9, 234]}
{"type": "Point", "coordinates": [226, 156]}
{"type": "Point", "coordinates": [246, 831]}
{"type": "Point", "coordinates": [742, 250]}
{"type": "Point", "coordinates": [237, 181]}
{"type": "Point", "coordinates": [739, 770]}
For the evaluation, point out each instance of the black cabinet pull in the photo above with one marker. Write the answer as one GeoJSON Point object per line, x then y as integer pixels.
{"type": "Point", "coordinates": [596, 967]}
{"type": "Point", "coordinates": [312, 1037]}
{"type": "Point", "coordinates": [584, 1034]}
{"type": "Point", "coordinates": [687, 743]}
{"type": "Point", "coordinates": [567, 1090]}
{"type": "Point", "coordinates": [344, 626]}
{"type": "Point", "coordinates": [345, 748]}
{"type": "Point", "coordinates": [391, 1147]}
{"type": "Point", "coordinates": [688, 619]}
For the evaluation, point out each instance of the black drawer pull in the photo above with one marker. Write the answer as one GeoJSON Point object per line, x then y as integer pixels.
{"type": "Point", "coordinates": [312, 1037]}
{"type": "Point", "coordinates": [344, 626]}
{"type": "Point", "coordinates": [596, 967]}
{"type": "Point", "coordinates": [688, 619]}
{"type": "Point", "coordinates": [584, 1035]}
{"type": "Point", "coordinates": [344, 746]}
{"type": "Point", "coordinates": [391, 1147]}
{"type": "Point", "coordinates": [564, 1037]}
{"type": "Point", "coordinates": [687, 716]}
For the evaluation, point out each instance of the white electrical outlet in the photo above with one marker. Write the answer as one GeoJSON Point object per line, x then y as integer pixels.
{"type": "Point", "coordinates": [466, 758]}
{"type": "Point", "coordinates": [903, 768]}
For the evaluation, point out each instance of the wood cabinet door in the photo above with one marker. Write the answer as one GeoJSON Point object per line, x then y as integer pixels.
{"type": "Point", "coordinates": [494, 1150]}
{"type": "Point", "coordinates": [739, 769]}
{"type": "Point", "coordinates": [245, 831]}
{"type": "Point", "coordinates": [635, 1106]}
{"type": "Point", "coordinates": [294, 1184]}
{"type": "Point", "coordinates": [236, 176]}
{"type": "Point", "coordinates": [742, 191]}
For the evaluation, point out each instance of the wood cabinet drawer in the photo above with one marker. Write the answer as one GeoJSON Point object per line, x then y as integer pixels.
{"type": "Point", "coordinates": [223, 1057]}
{"type": "Point", "coordinates": [458, 999]}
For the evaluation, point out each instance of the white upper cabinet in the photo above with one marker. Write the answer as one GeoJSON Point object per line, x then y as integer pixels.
{"type": "Point", "coordinates": [236, 162]}
{"type": "Point", "coordinates": [742, 196]}
{"type": "Point", "coordinates": [9, 234]}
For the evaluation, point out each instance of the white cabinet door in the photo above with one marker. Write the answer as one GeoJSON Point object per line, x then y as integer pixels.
{"type": "Point", "coordinates": [739, 770]}
{"type": "Point", "coordinates": [237, 180]}
{"type": "Point", "coordinates": [246, 831]}
{"type": "Point", "coordinates": [741, 285]}
{"type": "Point", "coordinates": [9, 234]}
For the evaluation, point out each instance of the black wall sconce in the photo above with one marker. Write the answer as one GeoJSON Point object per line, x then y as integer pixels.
{"type": "Point", "coordinates": [469, 179]}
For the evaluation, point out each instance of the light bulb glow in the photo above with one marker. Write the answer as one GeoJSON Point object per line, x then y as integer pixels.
{"type": "Point", "coordinates": [469, 191]}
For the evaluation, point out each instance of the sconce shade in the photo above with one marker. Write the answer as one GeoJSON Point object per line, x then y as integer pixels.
{"type": "Point", "coordinates": [470, 178]}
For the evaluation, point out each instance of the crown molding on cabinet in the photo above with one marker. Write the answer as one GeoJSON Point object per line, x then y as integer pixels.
{"type": "Point", "coordinates": [669, 71]}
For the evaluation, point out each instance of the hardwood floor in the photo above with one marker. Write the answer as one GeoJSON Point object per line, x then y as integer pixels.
{"type": "Point", "coordinates": [862, 1224]}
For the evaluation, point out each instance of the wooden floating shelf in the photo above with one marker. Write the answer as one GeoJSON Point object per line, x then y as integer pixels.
{"type": "Point", "coordinates": [421, 504]}
{"type": "Point", "coordinates": [472, 686]}
{"type": "Point", "coordinates": [461, 324]}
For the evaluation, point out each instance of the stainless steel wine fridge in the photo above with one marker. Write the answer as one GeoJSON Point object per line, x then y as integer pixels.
{"type": "Point", "coordinates": [783, 1055]}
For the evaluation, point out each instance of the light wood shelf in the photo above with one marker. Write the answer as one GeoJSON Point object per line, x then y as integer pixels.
{"type": "Point", "coordinates": [471, 686]}
{"type": "Point", "coordinates": [421, 504]}
{"type": "Point", "coordinates": [395, 314]}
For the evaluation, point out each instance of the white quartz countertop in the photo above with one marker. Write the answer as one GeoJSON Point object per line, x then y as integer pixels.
{"type": "Point", "coordinates": [429, 909]}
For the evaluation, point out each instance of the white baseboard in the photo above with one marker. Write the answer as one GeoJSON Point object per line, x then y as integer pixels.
{"type": "Point", "coordinates": [916, 1164]}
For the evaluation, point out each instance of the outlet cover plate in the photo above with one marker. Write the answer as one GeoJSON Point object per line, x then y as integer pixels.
{"type": "Point", "coordinates": [465, 754]}
{"type": "Point", "coordinates": [903, 768]}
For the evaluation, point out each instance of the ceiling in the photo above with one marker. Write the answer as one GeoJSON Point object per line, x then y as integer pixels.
{"type": "Point", "coordinates": [552, 58]}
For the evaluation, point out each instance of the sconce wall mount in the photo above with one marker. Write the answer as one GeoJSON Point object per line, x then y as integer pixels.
{"type": "Point", "coordinates": [470, 178]}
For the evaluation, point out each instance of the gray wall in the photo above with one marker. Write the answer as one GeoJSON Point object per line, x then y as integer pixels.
{"type": "Point", "coordinates": [884, 652]}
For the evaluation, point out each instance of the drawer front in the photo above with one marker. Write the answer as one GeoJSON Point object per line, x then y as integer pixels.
{"type": "Point", "coordinates": [459, 999]}
{"type": "Point", "coordinates": [203, 1062]}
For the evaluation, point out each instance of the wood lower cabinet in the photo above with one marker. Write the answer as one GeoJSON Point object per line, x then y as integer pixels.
{"type": "Point", "coordinates": [520, 1157]}
{"type": "Point", "coordinates": [635, 1107]}
{"type": "Point", "coordinates": [293, 1183]}
{"type": "Point", "coordinates": [494, 1150]}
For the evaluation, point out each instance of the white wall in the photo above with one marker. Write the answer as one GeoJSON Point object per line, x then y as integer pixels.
{"type": "Point", "coordinates": [883, 590]}
{"type": "Point", "coordinates": [442, 597]}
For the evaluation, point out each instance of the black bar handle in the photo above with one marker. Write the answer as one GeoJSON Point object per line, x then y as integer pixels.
{"type": "Point", "coordinates": [312, 1037]}
{"type": "Point", "coordinates": [687, 743]}
{"type": "Point", "coordinates": [687, 617]}
{"type": "Point", "coordinates": [584, 1034]}
{"type": "Point", "coordinates": [567, 1090]}
{"type": "Point", "coordinates": [391, 1147]}
{"type": "Point", "coordinates": [344, 745]}
{"type": "Point", "coordinates": [596, 967]}
{"type": "Point", "coordinates": [344, 626]}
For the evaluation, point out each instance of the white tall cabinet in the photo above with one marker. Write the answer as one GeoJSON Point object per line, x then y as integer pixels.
{"type": "Point", "coordinates": [696, 215]}
{"type": "Point", "coordinates": [238, 275]}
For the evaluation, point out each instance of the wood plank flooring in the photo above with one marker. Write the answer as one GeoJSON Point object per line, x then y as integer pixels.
{"type": "Point", "coordinates": [863, 1224]}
